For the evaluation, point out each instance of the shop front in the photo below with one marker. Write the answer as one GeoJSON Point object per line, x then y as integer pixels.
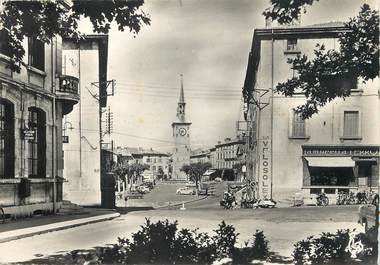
{"type": "Point", "coordinates": [334, 168]}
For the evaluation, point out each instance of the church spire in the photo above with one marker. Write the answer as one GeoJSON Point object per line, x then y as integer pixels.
{"type": "Point", "coordinates": [182, 94]}
{"type": "Point", "coordinates": [181, 104]}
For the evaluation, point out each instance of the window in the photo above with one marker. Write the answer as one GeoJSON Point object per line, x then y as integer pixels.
{"type": "Point", "coordinates": [351, 124]}
{"type": "Point", "coordinates": [37, 147]}
{"type": "Point", "coordinates": [298, 126]}
{"type": "Point", "coordinates": [148, 160]}
{"type": "Point", "coordinates": [291, 45]}
{"type": "Point", "coordinates": [4, 42]}
{"type": "Point", "coordinates": [6, 139]}
{"type": "Point", "coordinates": [36, 53]}
{"type": "Point", "coordinates": [153, 167]}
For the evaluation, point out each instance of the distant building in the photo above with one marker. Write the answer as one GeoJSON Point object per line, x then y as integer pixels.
{"type": "Point", "coordinates": [156, 160]}
{"type": "Point", "coordinates": [181, 136]}
{"type": "Point", "coordinates": [200, 156]}
{"type": "Point", "coordinates": [335, 150]}
{"type": "Point", "coordinates": [227, 153]}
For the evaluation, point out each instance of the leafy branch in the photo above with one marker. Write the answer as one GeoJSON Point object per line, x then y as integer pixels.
{"type": "Point", "coordinates": [332, 73]}
{"type": "Point", "coordinates": [45, 19]}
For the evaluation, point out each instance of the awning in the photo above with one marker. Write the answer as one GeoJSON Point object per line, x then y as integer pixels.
{"type": "Point", "coordinates": [330, 161]}
{"type": "Point", "coordinates": [209, 172]}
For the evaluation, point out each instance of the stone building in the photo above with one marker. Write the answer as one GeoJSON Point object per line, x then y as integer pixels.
{"type": "Point", "coordinates": [227, 153]}
{"type": "Point", "coordinates": [181, 136]}
{"type": "Point", "coordinates": [32, 106]}
{"type": "Point", "coordinates": [85, 60]}
{"type": "Point", "coordinates": [200, 156]}
{"type": "Point", "coordinates": [335, 150]}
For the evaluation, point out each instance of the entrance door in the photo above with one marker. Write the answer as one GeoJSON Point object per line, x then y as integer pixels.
{"type": "Point", "coordinates": [365, 173]}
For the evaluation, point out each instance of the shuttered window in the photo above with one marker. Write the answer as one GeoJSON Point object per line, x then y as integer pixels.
{"type": "Point", "coordinates": [298, 126]}
{"type": "Point", "coordinates": [36, 53]}
{"type": "Point", "coordinates": [351, 124]}
{"type": "Point", "coordinates": [4, 43]}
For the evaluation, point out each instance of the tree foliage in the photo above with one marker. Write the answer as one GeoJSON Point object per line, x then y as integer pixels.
{"type": "Point", "coordinates": [195, 170]}
{"type": "Point", "coordinates": [333, 73]}
{"type": "Point", "coordinates": [45, 19]}
{"type": "Point", "coordinates": [285, 11]}
{"type": "Point", "coordinates": [129, 170]}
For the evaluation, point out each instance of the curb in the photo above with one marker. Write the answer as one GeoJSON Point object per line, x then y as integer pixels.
{"type": "Point", "coordinates": [37, 230]}
{"type": "Point", "coordinates": [180, 203]}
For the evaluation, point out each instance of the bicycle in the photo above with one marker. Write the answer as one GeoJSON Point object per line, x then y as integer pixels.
{"type": "Point", "coordinates": [322, 199]}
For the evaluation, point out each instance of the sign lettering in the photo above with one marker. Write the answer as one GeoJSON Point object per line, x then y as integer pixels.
{"type": "Point", "coordinates": [29, 134]}
{"type": "Point", "coordinates": [360, 151]}
{"type": "Point", "coordinates": [265, 173]}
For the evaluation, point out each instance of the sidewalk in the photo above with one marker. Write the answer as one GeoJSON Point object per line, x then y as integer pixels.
{"type": "Point", "coordinates": [25, 227]}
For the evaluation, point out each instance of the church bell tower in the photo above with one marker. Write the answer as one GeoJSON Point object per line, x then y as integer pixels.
{"type": "Point", "coordinates": [181, 136]}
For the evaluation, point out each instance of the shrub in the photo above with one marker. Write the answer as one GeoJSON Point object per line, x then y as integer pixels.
{"type": "Point", "coordinates": [260, 248]}
{"type": "Point", "coordinates": [225, 240]}
{"type": "Point", "coordinates": [335, 248]}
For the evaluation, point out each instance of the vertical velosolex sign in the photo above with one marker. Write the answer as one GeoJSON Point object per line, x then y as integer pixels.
{"type": "Point", "coordinates": [265, 167]}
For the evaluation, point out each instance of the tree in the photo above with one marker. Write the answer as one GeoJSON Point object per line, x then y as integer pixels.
{"type": "Point", "coordinates": [45, 19]}
{"type": "Point", "coordinates": [129, 172]}
{"type": "Point", "coordinates": [332, 73]}
{"type": "Point", "coordinates": [194, 171]}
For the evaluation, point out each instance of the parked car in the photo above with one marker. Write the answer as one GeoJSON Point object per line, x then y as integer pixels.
{"type": "Point", "coordinates": [218, 179]}
{"type": "Point", "coordinates": [185, 191]}
{"type": "Point", "coordinates": [267, 203]}
{"type": "Point", "coordinates": [142, 189]}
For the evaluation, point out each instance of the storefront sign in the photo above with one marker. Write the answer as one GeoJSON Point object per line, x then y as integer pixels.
{"type": "Point", "coordinates": [265, 168]}
{"type": "Point", "coordinates": [29, 134]}
{"type": "Point", "coordinates": [358, 151]}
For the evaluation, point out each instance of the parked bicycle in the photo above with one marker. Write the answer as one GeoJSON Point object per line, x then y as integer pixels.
{"type": "Point", "coordinates": [2, 215]}
{"type": "Point", "coordinates": [322, 199]}
{"type": "Point", "coordinates": [228, 201]}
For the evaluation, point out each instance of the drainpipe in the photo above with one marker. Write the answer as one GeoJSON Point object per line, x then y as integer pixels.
{"type": "Point", "coordinates": [54, 140]}
{"type": "Point", "coordinates": [272, 118]}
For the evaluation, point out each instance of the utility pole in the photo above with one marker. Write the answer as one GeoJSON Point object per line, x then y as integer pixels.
{"type": "Point", "coordinates": [100, 98]}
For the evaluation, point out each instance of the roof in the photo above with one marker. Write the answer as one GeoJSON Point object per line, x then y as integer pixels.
{"type": "Point", "coordinates": [133, 151]}
{"type": "Point", "coordinates": [231, 142]}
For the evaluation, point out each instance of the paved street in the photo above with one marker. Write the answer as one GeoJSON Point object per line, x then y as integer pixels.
{"type": "Point", "coordinates": [283, 227]}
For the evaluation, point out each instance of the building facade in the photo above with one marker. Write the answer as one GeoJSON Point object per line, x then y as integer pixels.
{"type": "Point", "coordinates": [181, 136]}
{"type": "Point", "coordinates": [227, 153]}
{"type": "Point", "coordinates": [335, 150]}
{"type": "Point", "coordinates": [32, 105]}
{"type": "Point", "coordinates": [82, 151]}
{"type": "Point", "coordinates": [200, 156]}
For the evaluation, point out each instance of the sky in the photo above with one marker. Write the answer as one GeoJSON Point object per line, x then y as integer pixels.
{"type": "Point", "coordinates": [207, 41]}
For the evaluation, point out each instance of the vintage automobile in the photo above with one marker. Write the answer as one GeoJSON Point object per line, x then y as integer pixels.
{"type": "Point", "coordinates": [142, 189]}
{"type": "Point", "coordinates": [185, 191]}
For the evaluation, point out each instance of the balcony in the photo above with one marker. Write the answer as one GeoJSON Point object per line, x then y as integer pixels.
{"type": "Point", "coordinates": [68, 92]}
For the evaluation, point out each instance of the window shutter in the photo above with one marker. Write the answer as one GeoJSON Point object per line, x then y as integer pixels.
{"type": "Point", "coordinates": [58, 60]}
{"type": "Point", "coordinates": [351, 124]}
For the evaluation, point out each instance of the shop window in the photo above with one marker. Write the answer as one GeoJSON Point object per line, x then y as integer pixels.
{"type": "Point", "coordinates": [6, 139]}
{"type": "Point", "coordinates": [36, 53]}
{"type": "Point", "coordinates": [37, 147]}
{"type": "Point", "coordinates": [329, 191]}
{"type": "Point", "coordinates": [331, 176]}
{"type": "Point", "coordinates": [351, 124]}
{"type": "Point", "coordinates": [298, 126]}
{"type": "Point", "coordinates": [4, 42]}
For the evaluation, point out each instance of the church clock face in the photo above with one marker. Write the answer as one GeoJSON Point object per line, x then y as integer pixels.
{"type": "Point", "coordinates": [182, 131]}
